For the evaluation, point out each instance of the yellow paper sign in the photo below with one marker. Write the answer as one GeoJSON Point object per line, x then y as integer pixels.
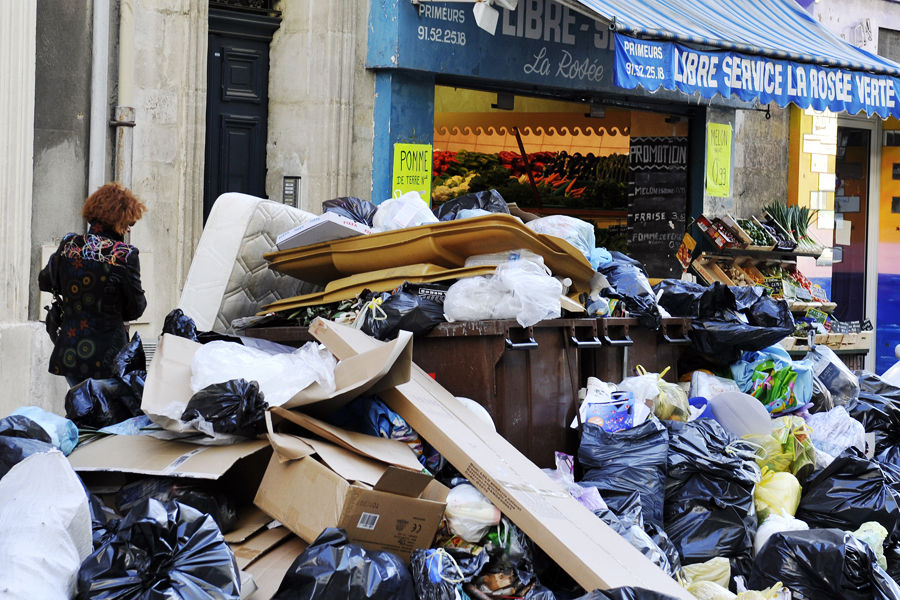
{"type": "Point", "coordinates": [412, 170]}
{"type": "Point", "coordinates": [718, 160]}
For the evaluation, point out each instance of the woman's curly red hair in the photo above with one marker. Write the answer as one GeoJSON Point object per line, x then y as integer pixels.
{"type": "Point", "coordinates": [115, 206]}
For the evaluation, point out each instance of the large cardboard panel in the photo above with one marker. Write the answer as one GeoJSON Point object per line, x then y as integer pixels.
{"type": "Point", "coordinates": [592, 553]}
{"type": "Point", "coordinates": [167, 390]}
{"type": "Point", "coordinates": [248, 551]}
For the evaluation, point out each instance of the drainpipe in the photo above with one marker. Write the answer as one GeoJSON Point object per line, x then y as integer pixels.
{"type": "Point", "coordinates": [99, 96]}
{"type": "Point", "coordinates": [124, 115]}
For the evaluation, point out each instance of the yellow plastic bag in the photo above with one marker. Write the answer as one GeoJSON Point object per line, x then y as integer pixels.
{"type": "Point", "coordinates": [716, 570]}
{"type": "Point", "coordinates": [672, 403]}
{"type": "Point", "coordinates": [777, 492]}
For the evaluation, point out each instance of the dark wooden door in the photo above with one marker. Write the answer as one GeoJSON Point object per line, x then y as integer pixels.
{"type": "Point", "coordinates": [237, 104]}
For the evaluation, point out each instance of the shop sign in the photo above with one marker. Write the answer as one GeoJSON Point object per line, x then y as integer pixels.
{"type": "Point", "coordinates": [412, 170]}
{"type": "Point", "coordinates": [718, 160]}
{"type": "Point", "coordinates": [672, 66]}
{"type": "Point", "coordinates": [541, 42]}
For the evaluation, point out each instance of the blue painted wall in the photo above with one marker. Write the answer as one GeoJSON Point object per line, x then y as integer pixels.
{"type": "Point", "coordinates": [887, 335]}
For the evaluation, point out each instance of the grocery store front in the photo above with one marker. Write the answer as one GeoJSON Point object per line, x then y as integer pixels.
{"type": "Point", "coordinates": [533, 111]}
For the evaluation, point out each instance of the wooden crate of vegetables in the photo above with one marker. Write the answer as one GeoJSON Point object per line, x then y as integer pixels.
{"type": "Point", "coordinates": [707, 267]}
{"type": "Point", "coordinates": [753, 234]}
{"type": "Point", "coordinates": [794, 221]}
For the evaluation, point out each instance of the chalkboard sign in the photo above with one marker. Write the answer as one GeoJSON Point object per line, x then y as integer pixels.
{"type": "Point", "coordinates": [657, 202]}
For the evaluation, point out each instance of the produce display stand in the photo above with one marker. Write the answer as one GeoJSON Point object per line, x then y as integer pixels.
{"type": "Point", "coordinates": [528, 377]}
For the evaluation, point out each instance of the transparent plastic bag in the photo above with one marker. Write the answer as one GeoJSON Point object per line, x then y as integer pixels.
{"type": "Point", "coordinates": [469, 513]}
{"type": "Point", "coordinates": [706, 385]}
{"type": "Point", "coordinates": [788, 448]}
{"type": "Point", "coordinates": [409, 210]}
{"type": "Point", "coordinates": [280, 376]}
{"type": "Point", "coordinates": [835, 430]}
{"type": "Point", "coordinates": [776, 523]}
{"type": "Point", "coordinates": [518, 289]}
{"type": "Point", "coordinates": [831, 370]}
{"type": "Point", "coordinates": [670, 403]}
{"type": "Point", "coordinates": [575, 231]}
{"type": "Point", "coordinates": [776, 493]}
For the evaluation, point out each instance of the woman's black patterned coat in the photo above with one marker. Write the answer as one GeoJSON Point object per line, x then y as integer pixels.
{"type": "Point", "coordinates": [98, 277]}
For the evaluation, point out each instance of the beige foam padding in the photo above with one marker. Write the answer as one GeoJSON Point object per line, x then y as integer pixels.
{"type": "Point", "coordinates": [228, 277]}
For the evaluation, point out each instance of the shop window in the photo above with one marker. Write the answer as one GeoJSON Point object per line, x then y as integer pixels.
{"type": "Point", "coordinates": [577, 161]}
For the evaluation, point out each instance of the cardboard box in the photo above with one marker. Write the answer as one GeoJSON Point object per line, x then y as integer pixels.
{"type": "Point", "coordinates": [167, 390]}
{"type": "Point", "coordinates": [591, 552]}
{"type": "Point", "coordinates": [372, 487]}
{"type": "Point", "coordinates": [108, 463]}
{"type": "Point", "coordinates": [324, 228]}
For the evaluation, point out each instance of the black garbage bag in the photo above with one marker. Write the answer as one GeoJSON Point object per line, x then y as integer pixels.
{"type": "Point", "coordinates": [20, 426]}
{"type": "Point", "coordinates": [511, 551]}
{"type": "Point", "coordinates": [197, 494]}
{"type": "Point", "coordinates": [413, 307]}
{"type": "Point", "coordinates": [104, 521]}
{"type": "Point", "coordinates": [101, 402]}
{"type": "Point", "coordinates": [745, 296]}
{"type": "Point", "coordinates": [873, 384]}
{"type": "Point", "coordinates": [161, 551]}
{"type": "Point", "coordinates": [770, 312]}
{"type": "Point", "coordinates": [14, 450]}
{"type": "Point", "coordinates": [439, 572]}
{"type": "Point", "coordinates": [629, 460]}
{"type": "Point", "coordinates": [331, 568]}
{"type": "Point", "coordinates": [235, 407]}
{"type": "Point", "coordinates": [629, 524]}
{"type": "Point", "coordinates": [178, 323]}
{"type": "Point", "coordinates": [357, 209]}
{"type": "Point", "coordinates": [723, 341]}
{"type": "Point", "coordinates": [849, 492]}
{"type": "Point", "coordinates": [688, 299]}
{"type": "Point", "coordinates": [879, 415]}
{"type": "Point", "coordinates": [489, 200]}
{"type": "Point", "coordinates": [709, 506]}
{"type": "Point", "coordinates": [131, 366]}
{"type": "Point", "coordinates": [822, 564]}
{"type": "Point", "coordinates": [628, 278]}
{"type": "Point", "coordinates": [892, 556]}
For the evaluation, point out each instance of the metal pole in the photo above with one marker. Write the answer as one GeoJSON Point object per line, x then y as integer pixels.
{"type": "Point", "coordinates": [124, 115]}
{"type": "Point", "coordinates": [99, 96]}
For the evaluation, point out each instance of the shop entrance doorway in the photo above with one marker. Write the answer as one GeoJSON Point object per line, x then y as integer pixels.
{"type": "Point", "coordinates": [851, 203]}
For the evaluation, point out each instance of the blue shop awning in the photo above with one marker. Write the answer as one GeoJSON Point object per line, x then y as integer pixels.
{"type": "Point", "coordinates": [765, 50]}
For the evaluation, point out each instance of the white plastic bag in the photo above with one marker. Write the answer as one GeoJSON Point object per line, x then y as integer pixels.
{"type": "Point", "coordinates": [776, 523]}
{"type": "Point", "coordinates": [408, 210]}
{"type": "Point", "coordinates": [835, 430]}
{"type": "Point", "coordinates": [707, 385]}
{"type": "Point", "coordinates": [575, 231]}
{"type": "Point", "coordinates": [470, 514]}
{"type": "Point", "coordinates": [280, 376]}
{"type": "Point", "coordinates": [518, 290]}
{"type": "Point", "coordinates": [834, 374]}
{"type": "Point", "coordinates": [46, 528]}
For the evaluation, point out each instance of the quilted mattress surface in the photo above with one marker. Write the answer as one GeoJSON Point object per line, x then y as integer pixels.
{"type": "Point", "coordinates": [228, 277]}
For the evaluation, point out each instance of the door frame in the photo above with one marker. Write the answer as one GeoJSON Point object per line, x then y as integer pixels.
{"type": "Point", "coordinates": [874, 126]}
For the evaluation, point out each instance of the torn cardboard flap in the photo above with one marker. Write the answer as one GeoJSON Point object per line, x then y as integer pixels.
{"type": "Point", "coordinates": [167, 389]}
{"type": "Point", "coordinates": [147, 455]}
{"type": "Point", "coordinates": [579, 542]}
{"type": "Point", "coordinates": [385, 450]}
